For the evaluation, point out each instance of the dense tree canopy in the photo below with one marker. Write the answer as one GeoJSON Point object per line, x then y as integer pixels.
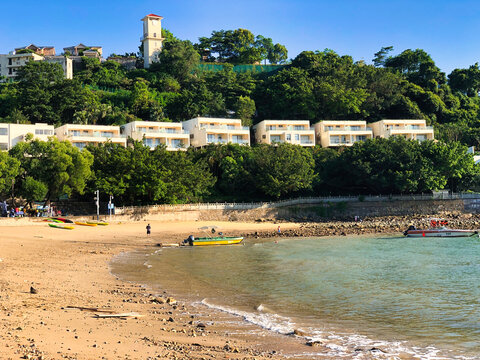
{"type": "Point", "coordinates": [315, 85]}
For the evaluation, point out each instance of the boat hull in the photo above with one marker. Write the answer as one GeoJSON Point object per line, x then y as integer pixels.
{"type": "Point", "coordinates": [217, 241]}
{"type": "Point", "coordinates": [58, 226]}
{"type": "Point", "coordinates": [441, 233]}
{"type": "Point", "coordinates": [84, 223]}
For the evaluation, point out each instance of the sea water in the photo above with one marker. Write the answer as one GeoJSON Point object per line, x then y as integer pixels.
{"type": "Point", "coordinates": [400, 295]}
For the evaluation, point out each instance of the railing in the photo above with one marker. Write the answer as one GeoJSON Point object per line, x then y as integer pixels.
{"type": "Point", "coordinates": [240, 142]}
{"type": "Point", "coordinates": [347, 129]}
{"type": "Point", "coordinates": [162, 131]}
{"type": "Point", "coordinates": [289, 128]}
{"type": "Point", "coordinates": [409, 127]}
{"type": "Point", "coordinates": [302, 201]}
{"type": "Point", "coordinates": [224, 127]}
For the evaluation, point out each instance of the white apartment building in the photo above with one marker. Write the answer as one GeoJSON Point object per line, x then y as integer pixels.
{"type": "Point", "coordinates": [154, 133]}
{"type": "Point", "coordinates": [410, 129]}
{"type": "Point", "coordinates": [12, 134]}
{"type": "Point", "coordinates": [83, 135]}
{"type": "Point", "coordinates": [204, 131]}
{"type": "Point", "coordinates": [297, 132]}
{"type": "Point", "coordinates": [11, 63]}
{"type": "Point", "coordinates": [331, 133]}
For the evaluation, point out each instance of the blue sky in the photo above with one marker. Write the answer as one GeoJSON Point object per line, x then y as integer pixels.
{"type": "Point", "coordinates": [447, 30]}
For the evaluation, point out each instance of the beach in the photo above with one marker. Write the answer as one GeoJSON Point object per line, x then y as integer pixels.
{"type": "Point", "coordinates": [69, 271]}
{"type": "Point", "coordinates": [57, 293]}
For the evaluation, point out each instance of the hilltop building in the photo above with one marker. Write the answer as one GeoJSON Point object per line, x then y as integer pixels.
{"type": "Point", "coordinates": [84, 50]}
{"type": "Point", "coordinates": [410, 129]}
{"type": "Point", "coordinates": [12, 134]}
{"type": "Point", "coordinates": [333, 133]}
{"type": "Point", "coordinates": [11, 63]}
{"type": "Point", "coordinates": [153, 134]}
{"type": "Point", "coordinates": [39, 50]}
{"type": "Point", "coordinates": [152, 38]}
{"type": "Point", "coordinates": [297, 132]}
{"type": "Point", "coordinates": [83, 135]}
{"type": "Point", "coordinates": [204, 131]}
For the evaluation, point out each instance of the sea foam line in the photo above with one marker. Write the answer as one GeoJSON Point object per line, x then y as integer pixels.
{"type": "Point", "coordinates": [337, 345]}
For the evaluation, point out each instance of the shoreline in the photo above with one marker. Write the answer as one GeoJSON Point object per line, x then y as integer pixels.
{"type": "Point", "coordinates": [70, 273]}
{"type": "Point", "coordinates": [72, 268]}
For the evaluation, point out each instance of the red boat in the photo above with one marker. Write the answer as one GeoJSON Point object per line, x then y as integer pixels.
{"type": "Point", "coordinates": [438, 228]}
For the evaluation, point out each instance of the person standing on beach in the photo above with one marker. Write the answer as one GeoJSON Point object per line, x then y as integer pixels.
{"type": "Point", "coordinates": [149, 228]}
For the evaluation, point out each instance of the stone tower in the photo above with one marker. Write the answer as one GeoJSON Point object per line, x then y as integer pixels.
{"type": "Point", "coordinates": [152, 38]}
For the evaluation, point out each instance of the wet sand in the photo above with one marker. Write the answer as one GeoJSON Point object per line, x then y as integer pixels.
{"type": "Point", "coordinates": [69, 271]}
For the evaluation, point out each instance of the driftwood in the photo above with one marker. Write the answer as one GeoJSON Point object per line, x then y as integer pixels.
{"type": "Point", "coordinates": [122, 315]}
{"type": "Point", "coordinates": [83, 308]}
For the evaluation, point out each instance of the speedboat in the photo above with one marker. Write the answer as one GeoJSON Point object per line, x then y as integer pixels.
{"type": "Point", "coordinates": [438, 228]}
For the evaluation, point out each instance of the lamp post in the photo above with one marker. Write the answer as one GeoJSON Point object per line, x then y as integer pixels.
{"type": "Point", "coordinates": [110, 207]}
{"type": "Point", "coordinates": [97, 201]}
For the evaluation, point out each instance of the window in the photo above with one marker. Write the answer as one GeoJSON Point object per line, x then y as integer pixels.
{"type": "Point", "coordinates": [275, 138]}
{"type": "Point", "coordinates": [80, 145]}
{"type": "Point", "coordinates": [264, 136]}
{"type": "Point", "coordinates": [3, 131]}
{"type": "Point", "coordinates": [107, 134]}
{"type": "Point", "coordinates": [210, 138]}
{"type": "Point", "coordinates": [272, 127]}
{"type": "Point", "coordinates": [176, 143]}
{"type": "Point", "coordinates": [298, 127]}
{"type": "Point", "coordinates": [38, 131]}
{"type": "Point", "coordinates": [421, 137]}
{"type": "Point", "coordinates": [75, 132]}
{"type": "Point", "coordinates": [335, 139]}
{"type": "Point", "coordinates": [289, 137]}
{"type": "Point", "coordinates": [231, 127]}
{"type": "Point", "coordinates": [148, 142]}
{"type": "Point", "coordinates": [305, 139]}
{"type": "Point", "coordinates": [361, 137]}
{"type": "Point", "coordinates": [297, 137]}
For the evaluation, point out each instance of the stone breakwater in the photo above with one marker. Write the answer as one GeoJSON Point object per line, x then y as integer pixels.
{"type": "Point", "coordinates": [377, 225]}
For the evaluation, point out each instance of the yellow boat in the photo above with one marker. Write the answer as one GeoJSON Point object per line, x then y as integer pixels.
{"type": "Point", "coordinates": [218, 240]}
{"type": "Point", "coordinates": [97, 223]}
{"type": "Point", "coordinates": [84, 223]}
{"type": "Point", "coordinates": [58, 226]}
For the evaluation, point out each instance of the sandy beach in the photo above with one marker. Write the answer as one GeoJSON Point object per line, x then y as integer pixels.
{"type": "Point", "coordinates": [72, 284]}
{"type": "Point", "coordinates": [69, 271]}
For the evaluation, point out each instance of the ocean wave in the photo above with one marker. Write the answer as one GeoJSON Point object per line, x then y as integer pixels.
{"type": "Point", "coordinates": [336, 345]}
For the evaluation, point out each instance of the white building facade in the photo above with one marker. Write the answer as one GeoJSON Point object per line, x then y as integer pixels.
{"type": "Point", "coordinates": [204, 131]}
{"type": "Point", "coordinates": [83, 135]}
{"type": "Point", "coordinates": [297, 132]}
{"type": "Point", "coordinates": [153, 134]}
{"type": "Point", "coordinates": [12, 134]}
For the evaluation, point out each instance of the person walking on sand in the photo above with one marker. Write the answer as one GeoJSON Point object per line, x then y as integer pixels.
{"type": "Point", "coordinates": [279, 231]}
{"type": "Point", "coordinates": [149, 228]}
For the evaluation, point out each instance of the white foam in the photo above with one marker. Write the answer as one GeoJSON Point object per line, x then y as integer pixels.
{"type": "Point", "coordinates": [273, 322]}
{"type": "Point", "coordinates": [337, 345]}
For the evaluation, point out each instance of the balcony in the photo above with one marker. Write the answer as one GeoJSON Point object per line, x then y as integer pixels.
{"type": "Point", "coordinates": [288, 128]}
{"type": "Point", "coordinates": [151, 36]}
{"type": "Point", "coordinates": [241, 142]}
{"type": "Point", "coordinates": [348, 129]}
{"type": "Point", "coordinates": [224, 127]}
{"type": "Point", "coordinates": [162, 131]}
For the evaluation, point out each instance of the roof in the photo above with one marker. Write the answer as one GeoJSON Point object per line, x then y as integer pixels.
{"type": "Point", "coordinates": [152, 15]}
